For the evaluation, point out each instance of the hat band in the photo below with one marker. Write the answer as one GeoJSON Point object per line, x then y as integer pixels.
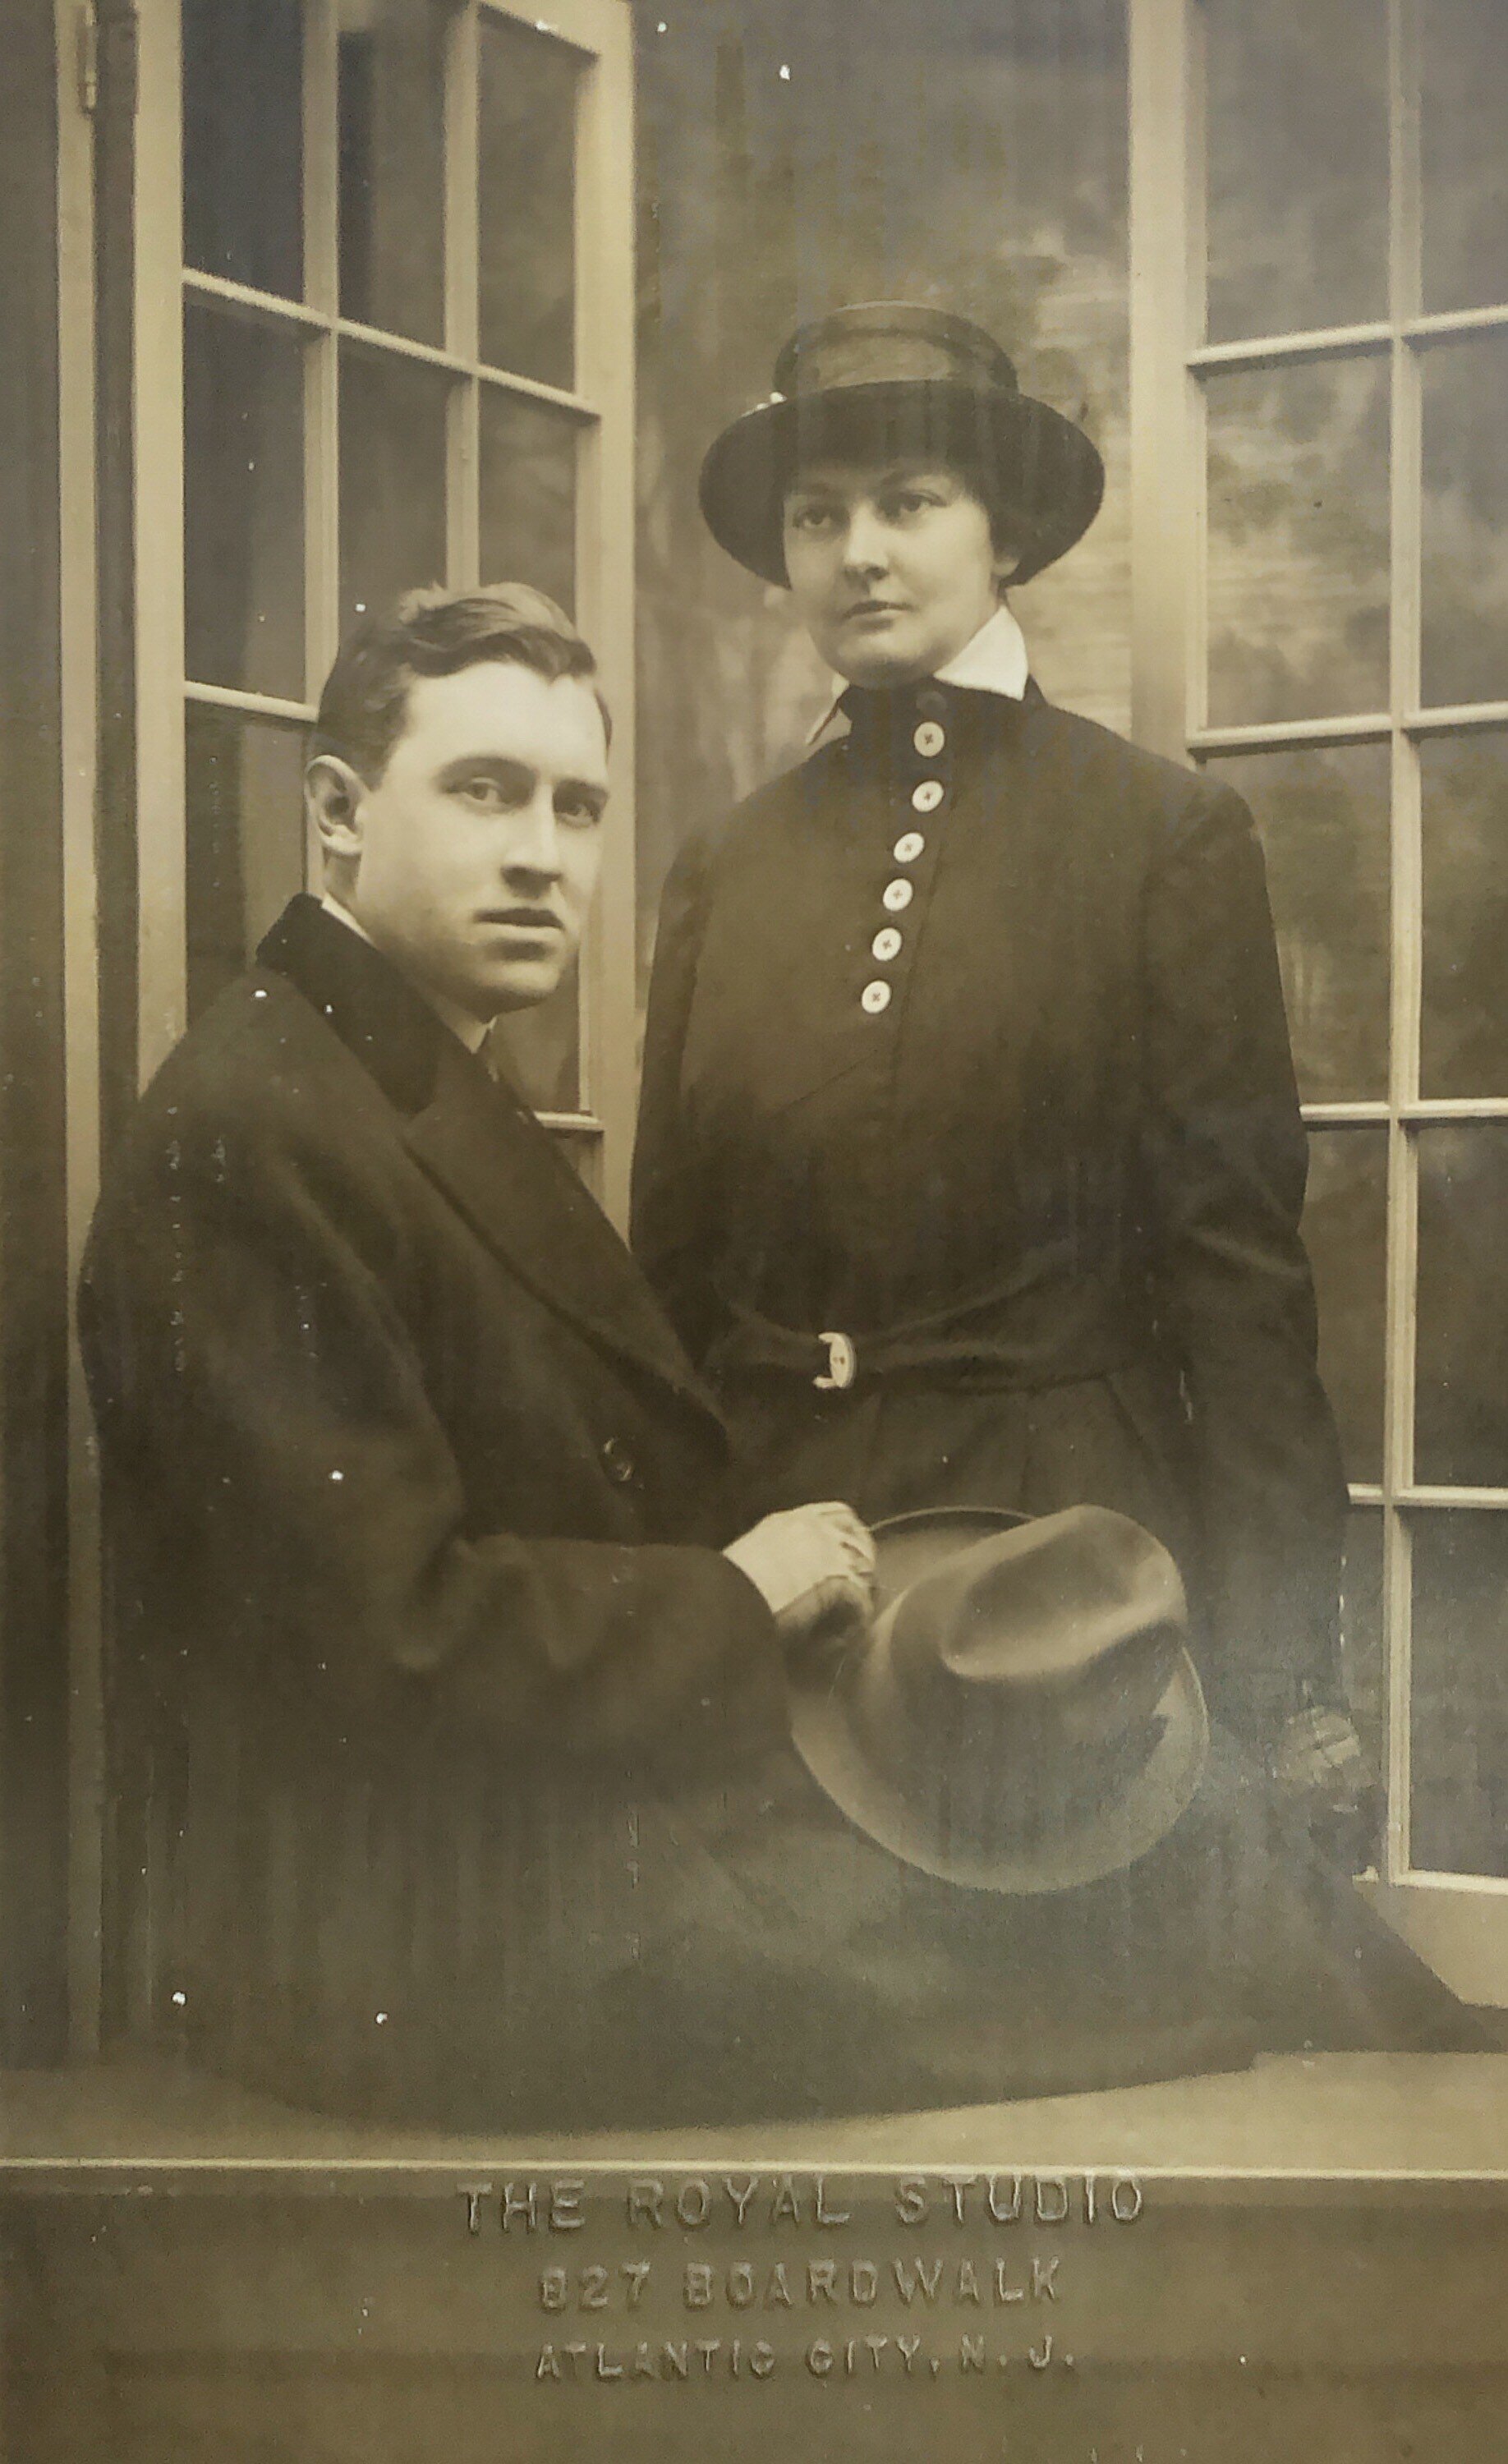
{"type": "Point", "coordinates": [889, 359]}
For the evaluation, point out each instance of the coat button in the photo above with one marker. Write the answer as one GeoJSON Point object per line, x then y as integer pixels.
{"type": "Point", "coordinates": [886, 943]}
{"type": "Point", "coordinates": [617, 1461]}
{"type": "Point", "coordinates": [931, 703]}
{"type": "Point", "coordinates": [909, 847]}
{"type": "Point", "coordinates": [896, 895]}
{"type": "Point", "coordinates": [926, 797]}
{"type": "Point", "coordinates": [875, 998]}
{"type": "Point", "coordinates": [930, 740]}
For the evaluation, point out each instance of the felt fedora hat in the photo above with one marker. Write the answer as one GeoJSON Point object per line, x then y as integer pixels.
{"type": "Point", "coordinates": [1023, 1714]}
{"type": "Point", "coordinates": [885, 377]}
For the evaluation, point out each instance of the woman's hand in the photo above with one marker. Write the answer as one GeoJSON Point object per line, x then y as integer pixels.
{"type": "Point", "coordinates": [1319, 1758]}
{"type": "Point", "coordinates": [812, 1565]}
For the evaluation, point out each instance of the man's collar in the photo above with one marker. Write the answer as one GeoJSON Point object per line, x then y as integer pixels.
{"type": "Point", "coordinates": [994, 661]}
{"type": "Point", "coordinates": [472, 1031]}
{"type": "Point", "coordinates": [373, 1009]}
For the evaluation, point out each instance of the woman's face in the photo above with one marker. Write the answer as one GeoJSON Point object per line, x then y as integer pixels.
{"type": "Point", "coordinates": [893, 565]}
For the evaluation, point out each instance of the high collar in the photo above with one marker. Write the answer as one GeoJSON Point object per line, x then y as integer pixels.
{"type": "Point", "coordinates": [994, 661]}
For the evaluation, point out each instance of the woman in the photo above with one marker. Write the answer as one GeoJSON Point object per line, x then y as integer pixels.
{"type": "Point", "coordinates": [971, 1164]}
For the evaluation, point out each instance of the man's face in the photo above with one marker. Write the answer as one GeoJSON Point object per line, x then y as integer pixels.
{"type": "Point", "coordinates": [892, 565]}
{"type": "Point", "coordinates": [479, 846]}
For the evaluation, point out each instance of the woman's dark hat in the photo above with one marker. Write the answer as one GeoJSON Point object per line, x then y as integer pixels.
{"type": "Point", "coordinates": [891, 378]}
{"type": "Point", "coordinates": [1023, 1714]}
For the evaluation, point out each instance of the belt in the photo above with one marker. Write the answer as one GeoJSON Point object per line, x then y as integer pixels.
{"type": "Point", "coordinates": [937, 1350]}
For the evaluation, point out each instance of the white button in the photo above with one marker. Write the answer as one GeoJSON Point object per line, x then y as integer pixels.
{"type": "Point", "coordinates": [930, 740]}
{"type": "Point", "coordinates": [897, 895]}
{"type": "Point", "coordinates": [875, 998]}
{"type": "Point", "coordinates": [886, 943]}
{"type": "Point", "coordinates": [926, 797]}
{"type": "Point", "coordinates": [909, 847]}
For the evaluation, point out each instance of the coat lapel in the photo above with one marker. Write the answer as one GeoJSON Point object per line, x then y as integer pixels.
{"type": "Point", "coordinates": [481, 1145]}
{"type": "Point", "coordinates": [508, 1177]}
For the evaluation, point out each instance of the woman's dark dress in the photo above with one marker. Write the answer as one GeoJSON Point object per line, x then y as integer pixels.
{"type": "Point", "coordinates": [1048, 1185]}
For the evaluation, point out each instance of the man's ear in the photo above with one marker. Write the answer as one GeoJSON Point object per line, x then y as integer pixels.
{"type": "Point", "coordinates": [335, 794]}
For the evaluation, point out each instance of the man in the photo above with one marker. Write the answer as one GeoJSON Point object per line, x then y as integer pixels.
{"type": "Point", "coordinates": [405, 1467]}
{"type": "Point", "coordinates": [970, 1160]}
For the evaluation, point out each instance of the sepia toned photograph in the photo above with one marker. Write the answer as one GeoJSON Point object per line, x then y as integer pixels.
{"type": "Point", "coordinates": [754, 1367]}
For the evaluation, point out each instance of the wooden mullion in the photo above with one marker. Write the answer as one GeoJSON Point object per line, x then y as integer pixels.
{"type": "Point", "coordinates": [1275, 350]}
{"type": "Point", "coordinates": [78, 643]}
{"type": "Point", "coordinates": [321, 363]}
{"type": "Point", "coordinates": [1407, 952]}
{"type": "Point", "coordinates": [162, 919]}
{"type": "Point", "coordinates": [463, 441]}
{"type": "Point", "coordinates": [603, 373]}
{"type": "Point", "coordinates": [1163, 198]}
{"type": "Point", "coordinates": [266, 305]}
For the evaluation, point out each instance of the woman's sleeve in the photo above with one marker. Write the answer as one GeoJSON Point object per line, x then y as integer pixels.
{"type": "Point", "coordinates": [675, 1229]}
{"type": "Point", "coordinates": [1228, 1166]}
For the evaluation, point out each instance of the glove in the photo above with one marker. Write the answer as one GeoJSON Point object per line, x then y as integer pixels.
{"type": "Point", "coordinates": [1318, 1757]}
{"type": "Point", "coordinates": [813, 1566]}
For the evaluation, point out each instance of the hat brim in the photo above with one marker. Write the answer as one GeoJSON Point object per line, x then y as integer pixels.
{"type": "Point", "coordinates": [1104, 1840]}
{"type": "Point", "coordinates": [1046, 475]}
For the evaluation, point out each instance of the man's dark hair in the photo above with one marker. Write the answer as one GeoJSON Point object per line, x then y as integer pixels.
{"type": "Point", "coordinates": [364, 705]}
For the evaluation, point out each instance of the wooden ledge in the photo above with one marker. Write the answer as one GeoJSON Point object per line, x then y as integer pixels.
{"type": "Point", "coordinates": [1393, 2117]}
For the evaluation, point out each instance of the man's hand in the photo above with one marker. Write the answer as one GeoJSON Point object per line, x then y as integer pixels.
{"type": "Point", "coordinates": [809, 1565]}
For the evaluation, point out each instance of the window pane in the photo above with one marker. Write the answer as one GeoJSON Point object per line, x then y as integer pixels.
{"type": "Point", "coordinates": [243, 504]}
{"type": "Point", "coordinates": [528, 508]}
{"type": "Point", "coordinates": [1462, 1374]}
{"type": "Point", "coordinates": [1299, 541]}
{"type": "Point", "coordinates": [1465, 786]}
{"type": "Point", "coordinates": [242, 141]}
{"type": "Point", "coordinates": [392, 478]}
{"type": "Point", "coordinates": [392, 164]}
{"type": "Point", "coordinates": [1345, 1230]}
{"type": "Point", "coordinates": [527, 139]}
{"type": "Point", "coordinates": [539, 1050]}
{"type": "Point", "coordinates": [1460, 1693]}
{"type": "Point", "coordinates": [1462, 130]}
{"type": "Point", "coordinates": [1465, 522]}
{"type": "Point", "coordinates": [1323, 816]}
{"type": "Point", "coordinates": [245, 841]}
{"type": "Point", "coordinates": [1298, 164]}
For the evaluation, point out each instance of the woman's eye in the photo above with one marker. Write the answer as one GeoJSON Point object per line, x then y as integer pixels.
{"type": "Point", "coordinates": [810, 518]}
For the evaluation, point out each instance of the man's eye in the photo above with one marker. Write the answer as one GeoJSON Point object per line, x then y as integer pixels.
{"type": "Point", "coordinates": [485, 791]}
{"type": "Point", "coordinates": [579, 813]}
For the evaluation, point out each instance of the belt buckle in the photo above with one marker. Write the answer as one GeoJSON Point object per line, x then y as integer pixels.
{"type": "Point", "coordinates": [842, 1363]}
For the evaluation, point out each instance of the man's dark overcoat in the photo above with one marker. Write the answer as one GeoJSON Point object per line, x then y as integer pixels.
{"type": "Point", "coordinates": [453, 1762]}
{"type": "Point", "coordinates": [1047, 1178]}
{"type": "Point", "coordinates": [409, 1482]}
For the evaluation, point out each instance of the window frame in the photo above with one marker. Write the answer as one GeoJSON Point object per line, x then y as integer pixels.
{"type": "Point", "coordinates": [1457, 1922]}
{"type": "Point", "coordinates": [601, 404]}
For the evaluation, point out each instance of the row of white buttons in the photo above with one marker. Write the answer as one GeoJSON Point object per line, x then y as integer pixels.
{"type": "Point", "coordinates": [897, 895]}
